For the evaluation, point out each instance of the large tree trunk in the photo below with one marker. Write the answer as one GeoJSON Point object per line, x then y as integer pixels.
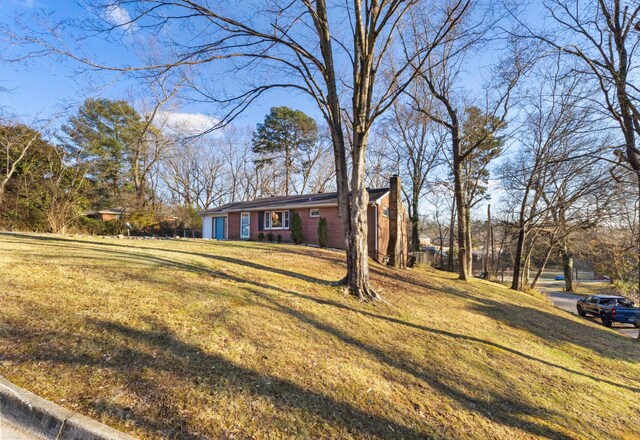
{"type": "Point", "coordinates": [452, 225]}
{"type": "Point", "coordinates": [637, 238]}
{"type": "Point", "coordinates": [526, 268]}
{"type": "Point", "coordinates": [567, 266]}
{"type": "Point", "coordinates": [516, 283]}
{"type": "Point", "coordinates": [468, 240]}
{"type": "Point", "coordinates": [487, 244]}
{"type": "Point", "coordinates": [415, 222]}
{"type": "Point", "coordinates": [351, 206]}
{"type": "Point", "coordinates": [463, 247]}
{"type": "Point", "coordinates": [358, 254]}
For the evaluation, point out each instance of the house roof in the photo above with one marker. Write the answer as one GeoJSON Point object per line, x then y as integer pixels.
{"type": "Point", "coordinates": [290, 202]}
{"type": "Point", "coordinates": [114, 211]}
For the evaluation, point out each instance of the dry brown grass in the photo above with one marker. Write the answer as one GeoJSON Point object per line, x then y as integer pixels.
{"type": "Point", "coordinates": [194, 340]}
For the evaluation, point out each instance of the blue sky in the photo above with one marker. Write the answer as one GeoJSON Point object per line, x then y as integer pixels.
{"type": "Point", "coordinates": [46, 85]}
{"type": "Point", "coordinates": [43, 86]}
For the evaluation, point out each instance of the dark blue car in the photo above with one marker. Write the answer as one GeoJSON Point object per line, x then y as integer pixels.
{"type": "Point", "coordinates": [610, 309]}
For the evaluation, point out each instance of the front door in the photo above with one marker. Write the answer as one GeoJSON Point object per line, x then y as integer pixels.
{"type": "Point", "coordinates": [244, 225]}
{"type": "Point", "coordinates": [219, 228]}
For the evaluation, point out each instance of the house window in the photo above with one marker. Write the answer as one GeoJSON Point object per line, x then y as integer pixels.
{"type": "Point", "coordinates": [314, 213]}
{"type": "Point", "coordinates": [286, 219]}
{"type": "Point", "coordinates": [385, 212]}
{"type": "Point", "coordinates": [276, 220]}
{"type": "Point", "coordinates": [267, 220]}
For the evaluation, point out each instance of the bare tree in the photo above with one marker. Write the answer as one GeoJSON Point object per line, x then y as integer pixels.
{"type": "Point", "coordinates": [151, 141]}
{"type": "Point", "coordinates": [318, 170]}
{"type": "Point", "coordinates": [440, 76]}
{"type": "Point", "coordinates": [194, 173]}
{"type": "Point", "coordinates": [415, 144]}
{"type": "Point", "coordinates": [554, 183]}
{"type": "Point", "coordinates": [63, 189]}
{"type": "Point", "coordinates": [601, 39]}
{"type": "Point", "coordinates": [307, 48]}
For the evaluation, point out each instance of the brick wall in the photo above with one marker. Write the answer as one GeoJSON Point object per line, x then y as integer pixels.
{"type": "Point", "coordinates": [334, 226]}
{"type": "Point", "coordinates": [233, 226]}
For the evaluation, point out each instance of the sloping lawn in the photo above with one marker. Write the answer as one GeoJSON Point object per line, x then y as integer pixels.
{"type": "Point", "coordinates": [195, 340]}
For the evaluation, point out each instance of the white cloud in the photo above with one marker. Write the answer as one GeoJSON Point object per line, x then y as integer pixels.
{"type": "Point", "coordinates": [189, 123]}
{"type": "Point", "coordinates": [118, 16]}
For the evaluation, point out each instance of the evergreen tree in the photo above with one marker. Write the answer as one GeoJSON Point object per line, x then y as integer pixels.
{"type": "Point", "coordinates": [296, 228]}
{"type": "Point", "coordinates": [283, 136]}
{"type": "Point", "coordinates": [105, 132]}
{"type": "Point", "coordinates": [323, 232]}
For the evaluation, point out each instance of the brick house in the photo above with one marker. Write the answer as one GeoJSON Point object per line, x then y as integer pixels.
{"type": "Point", "coordinates": [386, 219]}
{"type": "Point", "coordinates": [105, 214]}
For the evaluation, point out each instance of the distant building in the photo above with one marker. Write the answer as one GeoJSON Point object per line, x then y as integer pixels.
{"type": "Point", "coordinates": [105, 214]}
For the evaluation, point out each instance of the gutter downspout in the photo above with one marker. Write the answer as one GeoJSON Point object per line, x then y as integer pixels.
{"type": "Point", "coordinates": [376, 230]}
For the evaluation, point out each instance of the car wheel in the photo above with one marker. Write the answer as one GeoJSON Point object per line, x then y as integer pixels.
{"type": "Point", "coordinates": [581, 312]}
{"type": "Point", "coordinates": [605, 320]}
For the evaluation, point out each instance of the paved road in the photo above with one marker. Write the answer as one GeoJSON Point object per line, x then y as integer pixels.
{"type": "Point", "coordinates": [9, 431]}
{"type": "Point", "coordinates": [567, 301]}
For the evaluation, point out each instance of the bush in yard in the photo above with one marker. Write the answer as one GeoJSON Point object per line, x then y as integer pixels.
{"type": "Point", "coordinates": [87, 225]}
{"type": "Point", "coordinates": [279, 238]}
{"type": "Point", "coordinates": [323, 232]}
{"type": "Point", "coordinates": [296, 228]}
{"type": "Point", "coordinates": [270, 237]}
{"type": "Point", "coordinates": [261, 236]}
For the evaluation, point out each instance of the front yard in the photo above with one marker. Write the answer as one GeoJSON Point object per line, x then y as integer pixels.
{"type": "Point", "coordinates": [195, 340]}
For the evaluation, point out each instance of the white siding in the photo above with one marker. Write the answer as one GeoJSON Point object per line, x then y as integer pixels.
{"type": "Point", "coordinates": [207, 226]}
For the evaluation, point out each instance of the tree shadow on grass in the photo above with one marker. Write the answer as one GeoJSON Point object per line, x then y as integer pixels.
{"type": "Point", "coordinates": [332, 255]}
{"type": "Point", "coordinates": [511, 411]}
{"type": "Point", "coordinates": [552, 327]}
{"type": "Point", "coordinates": [158, 349]}
{"type": "Point", "coordinates": [88, 245]}
{"type": "Point", "coordinates": [525, 318]}
{"type": "Point", "coordinates": [460, 336]}
{"type": "Point", "coordinates": [507, 410]}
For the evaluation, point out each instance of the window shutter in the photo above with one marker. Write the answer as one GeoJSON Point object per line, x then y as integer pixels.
{"type": "Point", "coordinates": [260, 220]}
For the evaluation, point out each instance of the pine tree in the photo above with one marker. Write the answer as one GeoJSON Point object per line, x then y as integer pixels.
{"type": "Point", "coordinates": [323, 232]}
{"type": "Point", "coordinates": [296, 228]}
{"type": "Point", "coordinates": [283, 136]}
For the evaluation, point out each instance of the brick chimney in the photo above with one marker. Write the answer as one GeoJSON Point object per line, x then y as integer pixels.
{"type": "Point", "coordinates": [396, 234]}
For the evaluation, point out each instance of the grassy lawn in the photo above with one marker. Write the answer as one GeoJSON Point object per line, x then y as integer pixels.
{"type": "Point", "coordinates": [195, 340]}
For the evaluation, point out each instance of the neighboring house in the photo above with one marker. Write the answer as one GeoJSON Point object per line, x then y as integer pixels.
{"type": "Point", "coordinates": [386, 218]}
{"type": "Point", "coordinates": [105, 214]}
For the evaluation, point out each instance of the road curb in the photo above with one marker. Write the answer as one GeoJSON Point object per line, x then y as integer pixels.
{"type": "Point", "coordinates": [47, 420]}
